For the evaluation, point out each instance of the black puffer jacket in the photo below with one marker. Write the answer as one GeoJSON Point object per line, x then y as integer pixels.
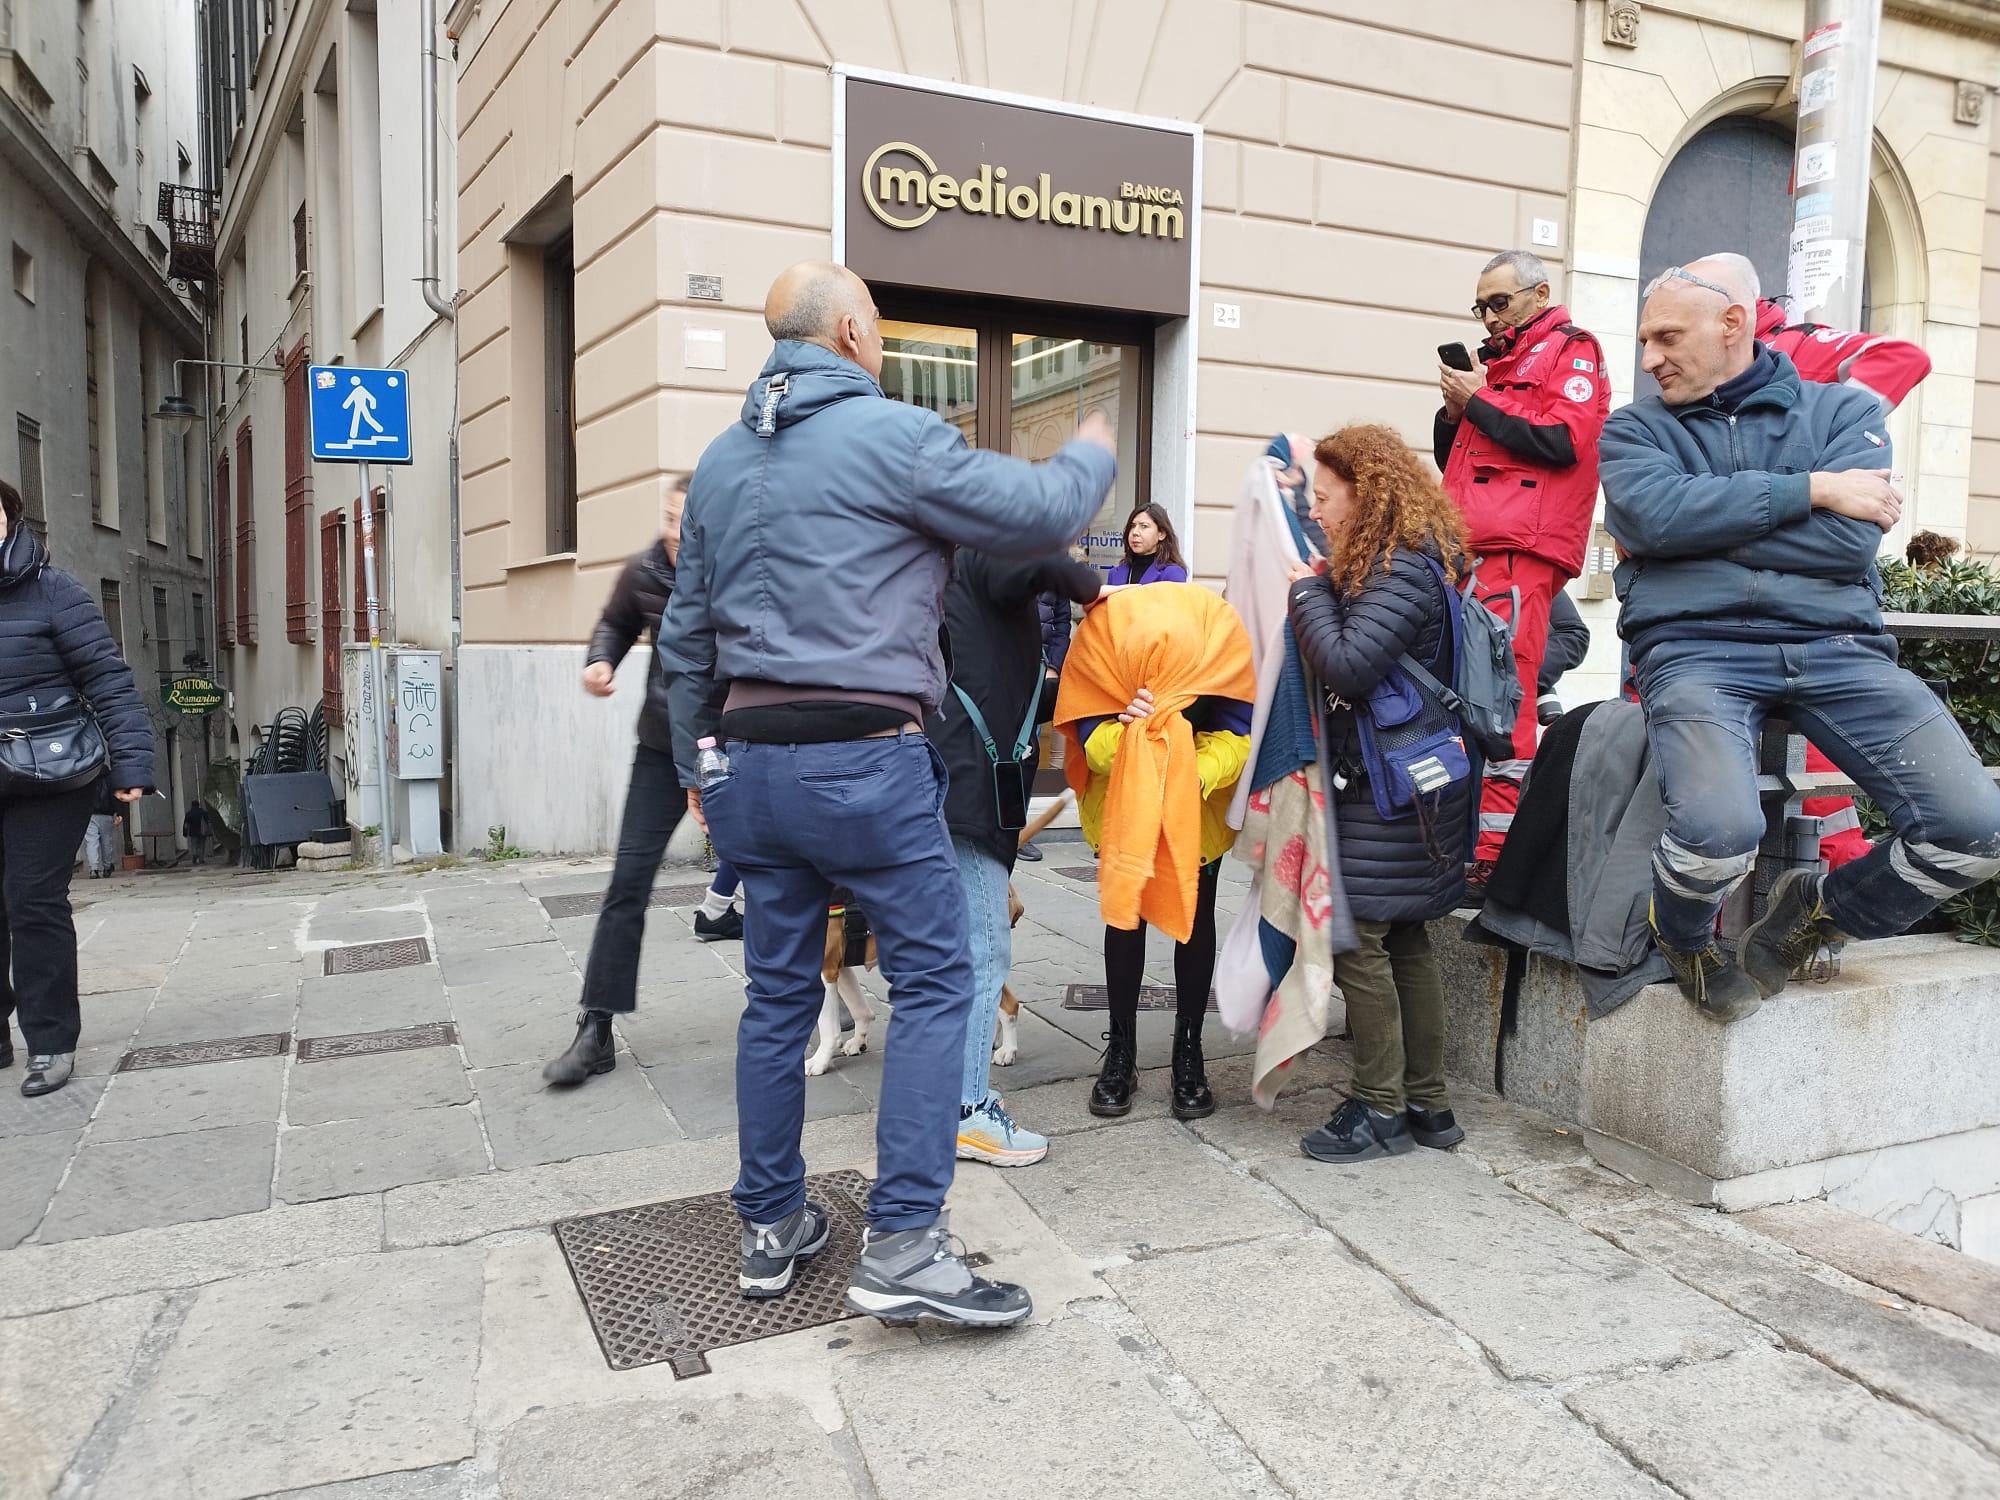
{"type": "Point", "coordinates": [1392, 869]}
{"type": "Point", "coordinates": [55, 646]}
{"type": "Point", "coordinates": [637, 600]}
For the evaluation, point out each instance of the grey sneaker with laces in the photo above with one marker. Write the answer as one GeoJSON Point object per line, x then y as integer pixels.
{"type": "Point", "coordinates": [771, 1252]}
{"type": "Point", "coordinates": [921, 1273]}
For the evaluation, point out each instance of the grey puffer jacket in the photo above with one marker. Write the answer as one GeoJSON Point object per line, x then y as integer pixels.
{"type": "Point", "coordinates": [818, 533]}
{"type": "Point", "coordinates": [55, 646]}
{"type": "Point", "coordinates": [1399, 870]}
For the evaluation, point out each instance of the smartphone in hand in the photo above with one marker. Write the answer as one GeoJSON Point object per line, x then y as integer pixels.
{"type": "Point", "coordinates": [1456, 355]}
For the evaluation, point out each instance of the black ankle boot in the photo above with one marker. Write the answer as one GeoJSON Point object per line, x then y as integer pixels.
{"type": "Point", "coordinates": [592, 1052]}
{"type": "Point", "coordinates": [1111, 1096]}
{"type": "Point", "coordinates": [1193, 1099]}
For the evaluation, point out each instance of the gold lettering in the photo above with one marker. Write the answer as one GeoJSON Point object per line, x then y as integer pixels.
{"type": "Point", "coordinates": [1124, 189]}
{"type": "Point", "coordinates": [944, 191]}
{"type": "Point", "coordinates": [903, 183]}
{"type": "Point", "coordinates": [1140, 207]}
{"type": "Point", "coordinates": [1121, 221]}
{"type": "Point", "coordinates": [1098, 209]}
{"type": "Point", "coordinates": [1044, 182]}
{"type": "Point", "coordinates": [983, 186]}
{"type": "Point", "coordinates": [1156, 220]}
{"type": "Point", "coordinates": [1022, 202]}
{"type": "Point", "coordinates": [1068, 208]}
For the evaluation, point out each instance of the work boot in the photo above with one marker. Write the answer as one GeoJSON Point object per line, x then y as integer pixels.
{"type": "Point", "coordinates": [772, 1251]}
{"type": "Point", "coordinates": [1111, 1095]}
{"type": "Point", "coordinates": [1711, 979]}
{"type": "Point", "coordinates": [1193, 1100]}
{"type": "Point", "coordinates": [921, 1273]}
{"type": "Point", "coordinates": [592, 1052]}
{"type": "Point", "coordinates": [1437, 1128]}
{"type": "Point", "coordinates": [47, 1072]}
{"type": "Point", "coordinates": [727, 928]}
{"type": "Point", "coordinates": [1359, 1132]}
{"type": "Point", "coordinates": [1794, 927]}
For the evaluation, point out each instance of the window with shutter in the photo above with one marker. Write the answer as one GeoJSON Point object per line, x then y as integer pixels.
{"type": "Point", "coordinates": [298, 499]}
{"type": "Point", "coordinates": [246, 541]}
{"type": "Point", "coordinates": [332, 543]}
{"type": "Point", "coordinates": [225, 616]}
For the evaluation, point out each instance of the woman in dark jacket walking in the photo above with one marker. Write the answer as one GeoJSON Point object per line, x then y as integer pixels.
{"type": "Point", "coordinates": [54, 650]}
{"type": "Point", "coordinates": [1373, 600]}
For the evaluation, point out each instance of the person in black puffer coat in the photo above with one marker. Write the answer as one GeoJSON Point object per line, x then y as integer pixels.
{"type": "Point", "coordinates": [54, 649]}
{"type": "Point", "coordinates": [1373, 600]}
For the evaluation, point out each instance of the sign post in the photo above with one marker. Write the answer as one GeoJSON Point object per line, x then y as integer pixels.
{"type": "Point", "coordinates": [362, 416]}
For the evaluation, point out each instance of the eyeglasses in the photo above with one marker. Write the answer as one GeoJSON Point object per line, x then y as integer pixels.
{"type": "Point", "coordinates": [1501, 301]}
{"type": "Point", "coordinates": [1680, 273]}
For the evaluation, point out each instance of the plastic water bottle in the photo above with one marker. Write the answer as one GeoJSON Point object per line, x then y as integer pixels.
{"type": "Point", "coordinates": [710, 764]}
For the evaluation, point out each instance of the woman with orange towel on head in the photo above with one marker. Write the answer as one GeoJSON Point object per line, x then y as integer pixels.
{"type": "Point", "coordinates": [1155, 704]}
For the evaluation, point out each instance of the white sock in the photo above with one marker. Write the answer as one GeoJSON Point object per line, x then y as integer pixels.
{"type": "Point", "coordinates": [714, 904]}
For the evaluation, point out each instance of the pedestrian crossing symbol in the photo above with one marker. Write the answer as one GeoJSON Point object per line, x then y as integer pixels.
{"type": "Point", "coordinates": [359, 416]}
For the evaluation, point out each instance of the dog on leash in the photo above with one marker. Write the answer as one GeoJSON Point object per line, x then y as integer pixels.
{"type": "Point", "coordinates": [850, 948]}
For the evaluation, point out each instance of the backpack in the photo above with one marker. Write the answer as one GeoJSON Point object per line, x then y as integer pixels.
{"type": "Point", "coordinates": [1485, 692]}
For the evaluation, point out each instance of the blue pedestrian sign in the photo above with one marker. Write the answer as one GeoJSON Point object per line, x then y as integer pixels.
{"type": "Point", "coordinates": [359, 416]}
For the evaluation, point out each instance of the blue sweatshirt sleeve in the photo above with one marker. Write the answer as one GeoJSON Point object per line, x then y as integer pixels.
{"type": "Point", "coordinates": [687, 644]}
{"type": "Point", "coordinates": [1005, 506]}
{"type": "Point", "coordinates": [1656, 507]}
{"type": "Point", "coordinates": [1825, 544]}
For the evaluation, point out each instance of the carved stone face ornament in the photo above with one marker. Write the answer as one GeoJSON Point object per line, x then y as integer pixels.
{"type": "Point", "coordinates": [1970, 107]}
{"type": "Point", "coordinates": [1621, 23]}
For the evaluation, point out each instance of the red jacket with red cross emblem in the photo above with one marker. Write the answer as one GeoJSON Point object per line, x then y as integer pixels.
{"type": "Point", "coordinates": [1888, 369]}
{"type": "Point", "coordinates": [1521, 464]}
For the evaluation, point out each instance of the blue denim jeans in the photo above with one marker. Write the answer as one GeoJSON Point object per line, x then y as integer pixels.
{"type": "Point", "coordinates": [797, 820]}
{"type": "Point", "coordinates": [1705, 705]}
{"type": "Point", "coordinates": [992, 943]}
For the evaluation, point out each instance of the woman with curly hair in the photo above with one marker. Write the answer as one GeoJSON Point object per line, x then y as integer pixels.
{"type": "Point", "coordinates": [1375, 599]}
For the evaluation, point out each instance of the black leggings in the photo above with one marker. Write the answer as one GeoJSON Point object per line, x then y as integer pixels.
{"type": "Point", "coordinates": [1194, 961]}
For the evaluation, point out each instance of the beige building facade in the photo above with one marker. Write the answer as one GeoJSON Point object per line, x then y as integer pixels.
{"type": "Point", "coordinates": [632, 175]}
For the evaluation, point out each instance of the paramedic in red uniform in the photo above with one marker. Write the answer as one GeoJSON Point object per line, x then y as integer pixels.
{"type": "Point", "coordinates": [1519, 453]}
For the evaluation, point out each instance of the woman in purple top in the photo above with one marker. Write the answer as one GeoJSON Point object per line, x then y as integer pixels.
{"type": "Point", "coordinates": [1152, 551]}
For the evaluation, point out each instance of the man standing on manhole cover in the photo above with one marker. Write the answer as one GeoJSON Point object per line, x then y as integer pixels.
{"type": "Point", "coordinates": [804, 633]}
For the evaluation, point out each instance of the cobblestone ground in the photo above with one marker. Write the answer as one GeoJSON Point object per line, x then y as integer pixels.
{"type": "Point", "coordinates": [336, 1278]}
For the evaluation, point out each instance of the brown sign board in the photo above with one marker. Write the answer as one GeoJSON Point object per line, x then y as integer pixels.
{"type": "Point", "coordinates": [969, 195]}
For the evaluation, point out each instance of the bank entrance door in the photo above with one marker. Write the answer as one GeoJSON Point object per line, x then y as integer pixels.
{"type": "Point", "coordinates": [1017, 378]}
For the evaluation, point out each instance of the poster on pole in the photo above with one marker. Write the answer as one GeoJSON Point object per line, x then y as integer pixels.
{"type": "Point", "coordinates": [1817, 265]}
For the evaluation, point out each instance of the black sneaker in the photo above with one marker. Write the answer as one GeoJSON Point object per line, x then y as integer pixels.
{"type": "Point", "coordinates": [1030, 853]}
{"type": "Point", "coordinates": [771, 1251]}
{"type": "Point", "coordinates": [1711, 979]}
{"type": "Point", "coordinates": [1358, 1132]}
{"type": "Point", "coordinates": [1436, 1128]}
{"type": "Point", "coordinates": [6, 1044]}
{"type": "Point", "coordinates": [726, 928]}
{"type": "Point", "coordinates": [921, 1273]}
{"type": "Point", "coordinates": [1794, 927]}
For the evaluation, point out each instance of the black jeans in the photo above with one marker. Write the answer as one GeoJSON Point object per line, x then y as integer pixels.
{"type": "Point", "coordinates": [38, 839]}
{"type": "Point", "coordinates": [654, 805]}
{"type": "Point", "coordinates": [1194, 961]}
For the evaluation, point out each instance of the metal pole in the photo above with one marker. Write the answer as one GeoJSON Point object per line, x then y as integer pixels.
{"type": "Point", "coordinates": [1835, 158]}
{"type": "Point", "coordinates": [375, 671]}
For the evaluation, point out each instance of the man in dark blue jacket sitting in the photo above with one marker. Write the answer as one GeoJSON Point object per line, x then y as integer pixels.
{"type": "Point", "coordinates": [1750, 506]}
{"type": "Point", "coordinates": [803, 632]}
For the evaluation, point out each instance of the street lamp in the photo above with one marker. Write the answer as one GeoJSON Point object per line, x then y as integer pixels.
{"type": "Point", "coordinates": [177, 411]}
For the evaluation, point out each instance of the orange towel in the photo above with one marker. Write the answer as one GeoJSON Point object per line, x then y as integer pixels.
{"type": "Point", "coordinates": [1182, 642]}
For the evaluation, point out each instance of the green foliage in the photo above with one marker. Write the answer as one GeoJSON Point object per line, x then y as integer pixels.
{"type": "Point", "coordinates": [497, 846]}
{"type": "Point", "coordinates": [1971, 670]}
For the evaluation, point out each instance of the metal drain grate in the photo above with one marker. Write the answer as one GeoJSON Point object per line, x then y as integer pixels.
{"type": "Point", "coordinates": [370, 1043]}
{"type": "Point", "coordinates": [592, 902]}
{"type": "Point", "coordinates": [1095, 997]}
{"type": "Point", "coordinates": [659, 1281]}
{"type": "Point", "coordinates": [182, 1054]}
{"type": "Point", "coordinates": [368, 958]}
{"type": "Point", "coordinates": [1085, 873]}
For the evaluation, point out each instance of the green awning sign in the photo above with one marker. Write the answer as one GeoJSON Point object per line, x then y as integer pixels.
{"type": "Point", "coordinates": [193, 696]}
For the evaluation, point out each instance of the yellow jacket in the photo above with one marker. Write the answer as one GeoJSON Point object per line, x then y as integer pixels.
{"type": "Point", "coordinates": [1219, 759]}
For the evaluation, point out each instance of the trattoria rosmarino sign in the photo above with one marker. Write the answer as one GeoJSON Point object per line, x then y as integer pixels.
{"type": "Point", "coordinates": [968, 195]}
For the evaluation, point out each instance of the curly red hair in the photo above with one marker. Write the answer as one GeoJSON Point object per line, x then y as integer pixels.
{"type": "Point", "coordinates": [1396, 504]}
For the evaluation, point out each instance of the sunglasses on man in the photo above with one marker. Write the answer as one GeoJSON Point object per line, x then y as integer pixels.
{"type": "Point", "coordinates": [1499, 302]}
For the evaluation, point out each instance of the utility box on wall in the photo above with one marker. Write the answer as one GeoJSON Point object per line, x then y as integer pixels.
{"type": "Point", "coordinates": [357, 722]}
{"type": "Point", "coordinates": [416, 745]}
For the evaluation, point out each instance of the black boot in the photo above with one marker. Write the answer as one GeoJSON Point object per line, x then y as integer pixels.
{"type": "Point", "coordinates": [6, 1044]}
{"type": "Point", "coordinates": [592, 1052]}
{"type": "Point", "coordinates": [1193, 1099]}
{"type": "Point", "coordinates": [1111, 1096]}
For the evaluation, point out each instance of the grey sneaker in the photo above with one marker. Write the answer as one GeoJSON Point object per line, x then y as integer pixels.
{"type": "Point", "coordinates": [770, 1251]}
{"type": "Point", "coordinates": [47, 1072]}
{"type": "Point", "coordinates": [921, 1273]}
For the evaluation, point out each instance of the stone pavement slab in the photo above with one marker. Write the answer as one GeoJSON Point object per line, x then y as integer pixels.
{"type": "Point", "coordinates": [1765, 1425]}
{"type": "Point", "coordinates": [343, 1004]}
{"type": "Point", "coordinates": [59, 1374]}
{"type": "Point", "coordinates": [544, 963]}
{"type": "Point", "coordinates": [309, 1375]}
{"type": "Point", "coordinates": [1248, 1133]}
{"type": "Point", "coordinates": [194, 979]}
{"type": "Point", "coordinates": [500, 1025]}
{"type": "Point", "coordinates": [950, 1414]}
{"type": "Point", "coordinates": [1578, 1192]}
{"type": "Point", "coordinates": [1546, 1298]}
{"type": "Point", "coordinates": [109, 1022]}
{"type": "Point", "coordinates": [441, 1482]}
{"type": "Point", "coordinates": [1506, 1138]}
{"type": "Point", "coordinates": [701, 1092]}
{"type": "Point", "coordinates": [1144, 1188]}
{"type": "Point", "coordinates": [30, 1168]}
{"type": "Point", "coordinates": [529, 1122]}
{"type": "Point", "coordinates": [384, 1151]}
{"type": "Point", "coordinates": [202, 1174]}
{"type": "Point", "coordinates": [1891, 1259]}
{"type": "Point", "coordinates": [184, 1020]}
{"type": "Point", "coordinates": [67, 1109]}
{"type": "Point", "coordinates": [1884, 1348]}
{"type": "Point", "coordinates": [675, 1027]}
{"type": "Point", "coordinates": [104, 974]}
{"type": "Point", "coordinates": [364, 1088]}
{"type": "Point", "coordinates": [363, 925]}
{"type": "Point", "coordinates": [1156, 1027]}
{"type": "Point", "coordinates": [1342, 1387]}
{"type": "Point", "coordinates": [738, 1448]}
{"type": "Point", "coordinates": [168, 1101]}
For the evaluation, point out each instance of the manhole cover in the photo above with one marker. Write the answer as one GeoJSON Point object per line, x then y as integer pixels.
{"type": "Point", "coordinates": [181, 1054]}
{"type": "Point", "coordinates": [659, 1281]}
{"type": "Point", "coordinates": [367, 958]}
{"type": "Point", "coordinates": [592, 902]}
{"type": "Point", "coordinates": [368, 1043]}
{"type": "Point", "coordinates": [1086, 873]}
{"type": "Point", "coordinates": [1094, 997]}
